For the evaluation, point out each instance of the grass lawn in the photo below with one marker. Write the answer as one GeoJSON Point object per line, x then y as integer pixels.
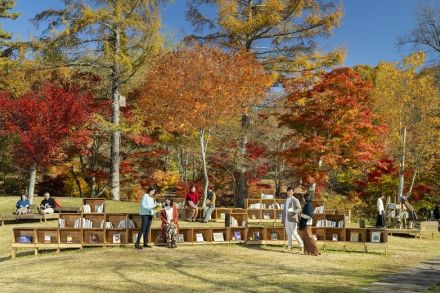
{"type": "Point", "coordinates": [203, 268]}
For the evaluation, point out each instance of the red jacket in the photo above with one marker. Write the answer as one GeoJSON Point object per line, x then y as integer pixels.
{"type": "Point", "coordinates": [193, 196]}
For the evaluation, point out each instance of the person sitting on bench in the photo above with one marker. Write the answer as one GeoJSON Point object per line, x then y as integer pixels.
{"type": "Point", "coordinates": [22, 205]}
{"type": "Point", "coordinates": [47, 205]}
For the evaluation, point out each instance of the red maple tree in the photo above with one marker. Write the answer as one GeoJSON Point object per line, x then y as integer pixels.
{"type": "Point", "coordinates": [332, 122]}
{"type": "Point", "coordinates": [44, 122]}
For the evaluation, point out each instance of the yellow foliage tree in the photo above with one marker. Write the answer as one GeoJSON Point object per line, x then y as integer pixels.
{"type": "Point", "coordinates": [409, 103]}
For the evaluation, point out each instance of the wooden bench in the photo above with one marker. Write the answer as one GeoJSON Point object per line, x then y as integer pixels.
{"type": "Point", "coordinates": [32, 216]}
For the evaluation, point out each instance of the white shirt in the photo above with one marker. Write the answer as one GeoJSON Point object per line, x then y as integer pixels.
{"type": "Point", "coordinates": [380, 208]}
{"type": "Point", "coordinates": [170, 213]}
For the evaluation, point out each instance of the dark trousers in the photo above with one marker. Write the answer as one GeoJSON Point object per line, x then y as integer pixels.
{"type": "Point", "coordinates": [380, 222]}
{"type": "Point", "coordinates": [145, 228]}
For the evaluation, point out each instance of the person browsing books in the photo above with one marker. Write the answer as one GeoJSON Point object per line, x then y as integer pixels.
{"type": "Point", "coordinates": [292, 207]}
{"type": "Point", "coordinates": [146, 210]}
{"type": "Point", "coordinates": [170, 222]}
{"type": "Point", "coordinates": [305, 226]}
{"type": "Point", "coordinates": [22, 205]}
{"type": "Point", "coordinates": [192, 200]}
{"type": "Point", "coordinates": [210, 204]}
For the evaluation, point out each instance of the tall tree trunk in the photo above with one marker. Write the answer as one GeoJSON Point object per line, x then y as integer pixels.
{"type": "Point", "coordinates": [413, 180]}
{"type": "Point", "coordinates": [203, 148]}
{"type": "Point", "coordinates": [78, 183]}
{"type": "Point", "coordinates": [116, 134]}
{"type": "Point", "coordinates": [312, 188]}
{"type": "Point", "coordinates": [402, 165]}
{"type": "Point", "coordinates": [32, 180]}
{"type": "Point", "coordinates": [242, 190]}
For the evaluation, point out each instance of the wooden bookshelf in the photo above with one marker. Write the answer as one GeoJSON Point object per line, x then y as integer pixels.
{"type": "Point", "coordinates": [88, 233]}
{"type": "Point", "coordinates": [224, 231]}
{"type": "Point", "coordinates": [69, 219]}
{"type": "Point", "coordinates": [109, 236]}
{"type": "Point", "coordinates": [93, 202]}
{"type": "Point", "coordinates": [75, 234]}
{"type": "Point", "coordinates": [233, 233]}
{"type": "Point", "coordinates": [81, 237]}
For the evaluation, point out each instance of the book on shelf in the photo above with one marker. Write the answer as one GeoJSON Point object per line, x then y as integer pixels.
{"type": "Point", "coordinates": [375, 236]}
{"type": "Point", "coordinates": [47, 239]}
{"type": "Point", "coordinates": [108, 225]}
{"type": "Point", "coordinates": [266, 196]}
{"type": "Point", "coordinates": [180, 238]}
{"type": "Point", "coordinates": [233, 222]}
{"type": "Point", "coordinates": [218, 237]}
{"type": "Point", "coordinates": [87, 208]}
{"type": "Point", "coordinates": [199, 237]}
{"type": "Point", "coordinates": [222, 216]}
{"type": "Point", "coordinates": [243, 223]}
{"type": "Point", "coordinates": [62, 223]}
{"type": "Point", "coordinates": [274, 236]}
{"type": "Point", "coordinates": [99, 208]}
{"type": "Point", "coordinates": [93, 238]}
{"type": "Point", "coordinates": [266, 216]}
{"type": "Point", "coordinates": [335, 237]}
{"type": "Point", "coordinates": [24, 239]}
{"type": "Point", "coordinates": [117, 238]}
{"type": "Point", "coordinates": [69, 239]}
{"type": "Point", "coordinates": [319, 210]}
{"type": "Point", "coordinates": [102, 224]}
{"type": "Point", "coordinates": [254, 217]}
{"type": "Point", "coordinates": [354, 236]}
{"type": "Point", "coordinates": [236, 236]}
{"type": "Point", "coordinates": [256, 235]}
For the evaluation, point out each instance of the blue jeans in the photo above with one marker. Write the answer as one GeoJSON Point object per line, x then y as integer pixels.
{"type": "Point", "coordinates": [145, 228]}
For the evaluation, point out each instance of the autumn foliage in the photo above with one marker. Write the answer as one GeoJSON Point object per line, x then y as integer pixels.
{"type": "Point", "coordinates": [44, 122]}
{"type": "Point", "coordinates": [332, 122]}
{"type": "Point", "coordinates": [197, 87]}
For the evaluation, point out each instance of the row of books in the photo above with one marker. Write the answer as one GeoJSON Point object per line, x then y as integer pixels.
{"type": "Point", "coordinates": [98, 208]}
{"type": "Point", "coordinates": [86, 223]}
{"type": "Point", "coordinates": [273, 206]}
{"type": "Point", "coordinates": [330, 223]}
{"type": "Point", "coordinates": [319, 210]}
{"type": "Point", "coordinates": [234, 222]}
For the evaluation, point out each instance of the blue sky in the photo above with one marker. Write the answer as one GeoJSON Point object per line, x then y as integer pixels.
{"type": "Point", "coordinates": [369, 28]}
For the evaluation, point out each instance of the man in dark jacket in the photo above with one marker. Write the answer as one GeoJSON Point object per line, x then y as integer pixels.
{"type": "Point", "coordinates": [47, 205]}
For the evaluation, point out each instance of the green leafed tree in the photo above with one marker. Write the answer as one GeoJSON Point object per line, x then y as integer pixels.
{"type": "Point", "coordinates": [112, 38]}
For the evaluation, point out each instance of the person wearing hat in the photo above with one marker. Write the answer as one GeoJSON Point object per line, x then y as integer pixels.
{"type": "Point", "coordinates": [210, 204]}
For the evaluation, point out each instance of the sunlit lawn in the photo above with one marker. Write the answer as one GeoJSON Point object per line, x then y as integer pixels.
{"type": "Point", "coordinates": [202, 268]}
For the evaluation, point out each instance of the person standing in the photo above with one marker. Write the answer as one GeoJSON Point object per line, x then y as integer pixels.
{"type": "Point", "coordinates": [22, 205]}
{"type": "Point", "coordinates": [170, 222]}
{"type": "Point", "coordinates": [146, 211]}
{"type": "Point", "coordinates": [47, 205]}
{"type": "Point", "coordinates": [210, 204]}
{"type": "Point", "coordinates": [192, 200]}
{"type": "Point", "coordinates": [289, 218]}
{"type": "Point", "coordinates": [436, 213]}
{"type": "Point", "coordinates": [305, 226]}
{"type": "Point", "coordinates": [380, 222]}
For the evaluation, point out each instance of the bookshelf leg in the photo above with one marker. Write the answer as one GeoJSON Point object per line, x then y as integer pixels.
{"type": "Point", "coordinates": [386, 248]}
{"type": "Point", "coordinates": [36, 251]}
{"type": "Point", "coordinates": [14, 252]}
{"type": "Point", "coordinates": [58, 250]}
{"type": "Point", "coordinates": [365, 248]}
